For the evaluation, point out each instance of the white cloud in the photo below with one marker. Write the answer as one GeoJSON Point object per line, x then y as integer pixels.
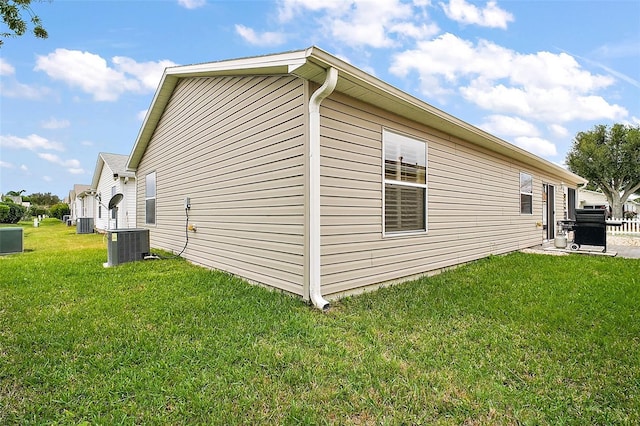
{"type": "Point", "coordinates": [14, 89]}
{"type": "Point", "coordinates": [288, 9]}
{"type": "Point", "coordinates": [260, 39]}
{"type": "Point", "coordinates": [364, 25]}
{"type": "Point", "coordinates": [413, 31]}
{"type": "Point", "coordinates": [54, 123]}
{"type": "Point", "coordinates": [72, 165]}
{"type": "Point", "coordinates": [538, 146]}
{"type": "Point", "coordinates": [629, 48]}
{"type": "Point", "coordinates": [558, 130]}
{"type": "Point", "coordinates": [47, 178]}
{"type": "Point", "coordinates": [53, 158]}
{"type": "Point", "coordinates": [490, 16]}
{"type": "Point", "coordinates": [6, 165]}
{"type": "Point", "coordinates": [32, 142]}
{"type": "Point", "coordinates": [148, 73]}
{"type": "Point", "coordinates": [24, 168]}
{"type": "Point", "coordinates": [554, 105]}
{"type": "Point", "coordinates": [6, 68]}
{"type": "Point", "coordinates": [86, 143]}
{"type": "Point", "coordinates": [509, 126]}
{"type": "Point", "coordinates": [379, 23]}
{"type": "Point", "coordinates": [142, 114]}
{"type": "Point", "coordinates": [540, 86]}
{"type": "Point", "coordinates": [192, 4]}
{"type": "Point", "coordinates": [93, 75]}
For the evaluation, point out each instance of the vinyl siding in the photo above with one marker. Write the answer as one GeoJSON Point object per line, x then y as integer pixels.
{"type": "Point", "coordinates": [126, 208]}
{"type": "Point", "coordinates": [235, 146]}
{"type": "Point", "coordinates": [473, 198]}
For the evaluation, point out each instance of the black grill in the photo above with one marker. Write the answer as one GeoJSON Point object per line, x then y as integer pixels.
{"type": "Point", "coordinates": [590, 228]}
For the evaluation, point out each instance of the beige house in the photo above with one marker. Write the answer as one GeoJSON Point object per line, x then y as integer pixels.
{"type": "Point", "coordinates": [303, 173]}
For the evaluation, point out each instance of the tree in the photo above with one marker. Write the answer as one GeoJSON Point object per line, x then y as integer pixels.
{"type": "Point", "coordinates": [12, 12]}
{"type": "Point", "coordinates": [46, 199]}
{"type": "Point", "coordinates": [59, 210]}
{"type": "Point", "coordinates": [610, 158]}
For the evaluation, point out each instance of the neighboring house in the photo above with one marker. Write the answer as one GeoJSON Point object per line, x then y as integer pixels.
{"type": "Point", "coordinates": [588, 199]}
{"type": "Point", "coordinates": [110, 177]}
{"type": "Point", "coordinates": [306, 174]}
{"type": "Point", "coordinates": [81, 202]}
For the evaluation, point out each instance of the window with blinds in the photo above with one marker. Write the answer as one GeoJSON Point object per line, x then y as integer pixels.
{"type": "Point", "coordinates": [150, 198]}
{"type": "Point", "coordinates": [526, 193]}
{"type": "Point", "coordinates": [405, 184]}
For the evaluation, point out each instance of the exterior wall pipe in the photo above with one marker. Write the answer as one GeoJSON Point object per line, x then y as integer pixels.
{"type": "Point", "coordinates": [315, 292]}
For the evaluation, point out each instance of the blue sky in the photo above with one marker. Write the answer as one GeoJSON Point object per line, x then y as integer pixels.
{"type": "Point", "coordinates": [531, 72]}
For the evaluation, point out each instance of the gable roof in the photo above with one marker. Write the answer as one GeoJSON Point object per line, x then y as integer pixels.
{"type": "Point", "coordinates": [117, 163]}
{"type": "Point", "coordinates": [312, 64]}
{"type": "Point", "coordinates": [79, 190]}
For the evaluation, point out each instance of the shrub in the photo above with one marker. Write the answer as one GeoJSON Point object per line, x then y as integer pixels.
{"type": "Point", "coordinates": [35, 210]}
{"type": "Point", "coordinates": [4, 212]}
{"type": "Point", "coordinates": [59, 210]}
{"type": "Point", "coordinates": [15, 213]}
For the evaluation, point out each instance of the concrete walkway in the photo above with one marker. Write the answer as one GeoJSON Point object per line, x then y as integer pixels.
{"type": "Point", "coordinates": [629, 252]}
{"type": "Point", "coordinates": [619, 250]}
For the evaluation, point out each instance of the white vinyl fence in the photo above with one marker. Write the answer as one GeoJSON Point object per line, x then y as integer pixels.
{"type": "Point", "coordinates": [629, 227]}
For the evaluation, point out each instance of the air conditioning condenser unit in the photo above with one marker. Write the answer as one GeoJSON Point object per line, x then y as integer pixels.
{"type": "Point", "coordinates": [126, 245]}
{"type": "Point", "coordinates": [84, 225]}
{"type": "Point", "coordinates": [11, 240]}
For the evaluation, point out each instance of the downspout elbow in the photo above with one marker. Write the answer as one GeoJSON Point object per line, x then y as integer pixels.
{"type": "Point", "coordinates": [329, 85]}
{"type": "Point", "coordinates": [323, 91]}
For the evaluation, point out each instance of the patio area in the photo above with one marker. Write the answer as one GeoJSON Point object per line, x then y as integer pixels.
{"type": "Point", "coordinates": [617, 245]}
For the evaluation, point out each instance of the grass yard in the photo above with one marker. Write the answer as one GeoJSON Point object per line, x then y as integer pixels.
{"type": "Point", "coordinates": [517, 339]}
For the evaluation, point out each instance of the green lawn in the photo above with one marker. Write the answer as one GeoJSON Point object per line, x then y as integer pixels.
{"type": "Point", "coordinates": [523, 338]}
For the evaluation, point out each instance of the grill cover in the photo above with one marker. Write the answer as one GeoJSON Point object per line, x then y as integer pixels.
{"type": "Point", "coordinates": [590, 227]}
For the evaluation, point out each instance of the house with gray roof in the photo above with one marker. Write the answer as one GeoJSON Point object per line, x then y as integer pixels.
{"type": "Point", "coordinates": [110, 177]}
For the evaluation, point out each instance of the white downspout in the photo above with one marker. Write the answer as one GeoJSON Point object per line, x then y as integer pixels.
{"type": "Point", "coordinates": [318, 96]}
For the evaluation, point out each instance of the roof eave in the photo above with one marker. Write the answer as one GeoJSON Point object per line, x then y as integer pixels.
{"type": "Point", "coordinates": [311, 64]}
{"type": "Point", "coordinates": [417, 110]}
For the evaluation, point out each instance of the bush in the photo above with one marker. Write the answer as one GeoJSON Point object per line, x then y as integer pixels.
{"type": "Point", "coordinates": [59, 210]}
{"type": "Point", "coordinates": [37, 211]}
{"type": "Point", "coordinates": [4, 212]}
{"type": "Point", "coordinates": [15, 213]}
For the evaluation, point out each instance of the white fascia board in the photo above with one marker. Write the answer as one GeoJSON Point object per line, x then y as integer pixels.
{"type": "Point", "coordinates": [284, 63]}
{"type": "Point", "coordinates": [97, 171]}
{"type": "Point", "coordinates": [358, 84]}
{"type": "Point", "coordinates": [151, 119]}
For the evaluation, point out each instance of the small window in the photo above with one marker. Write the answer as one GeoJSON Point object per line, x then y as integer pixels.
{"type": "Point", "coordinates": [405, 184]}
{"type": "Point", "coordinates": [150, 198]}
{"type": "Point", "coordinates": [526, 193]}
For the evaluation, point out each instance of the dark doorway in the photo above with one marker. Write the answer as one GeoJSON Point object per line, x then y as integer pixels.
{"type": "Point", "coordinates": [549, 211]}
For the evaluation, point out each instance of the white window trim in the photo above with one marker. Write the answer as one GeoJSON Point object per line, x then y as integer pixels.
{"type": "Point", "coordinates": [155, 197]}
{"type": "Point", "coordinates": [397, 234]}
{"type": "Point", "coordinates": [520, 193]}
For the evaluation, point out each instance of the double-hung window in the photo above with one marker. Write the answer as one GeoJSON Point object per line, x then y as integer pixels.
{"type": "Point", "coordinates": [526, 193]}
{"type": "Point", "coordinates": [150, 198]}
{"type": "Point", "coordinates": [405, 184]}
